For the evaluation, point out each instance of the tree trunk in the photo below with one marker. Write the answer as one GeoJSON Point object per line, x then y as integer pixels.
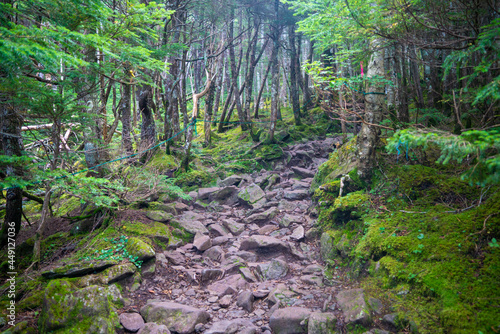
{"type": "Point", "coordinates": [148, 131]}
{"type": "Point", "coordinates": [125, 112]}
{"type": "Point", "coordinates": [207, 125]}
{"type": "Point", "coordinates": [234, 76]}
{"type": "Point", "coordinates": [294, 91]}
{"type": "Point", "coordinates": [275, 75]}
{"type": "Point", "coordinates": [402, 110]}
{"type": "Point", "coordinates": [257, 100]}
{"type": "Point", "coordinates": [41, 228]}
{"type": "Point", "coordinates": [368, 136]}
{"type": "Point", "coordinates": [11, 145]}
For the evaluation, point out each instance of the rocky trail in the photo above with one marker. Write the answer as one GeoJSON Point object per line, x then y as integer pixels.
{"type": "Point", "coordinates": [254, 265]}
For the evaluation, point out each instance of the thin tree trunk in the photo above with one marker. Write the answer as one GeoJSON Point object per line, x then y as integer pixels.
{"type": "Point", "coordinates": [125, 116]}
{"type": "Point", "coordinates": [41, 228]}
{"type": "Point", "coordinates": [368, 136]}
{"type": "Point", "coordinates": [275, 81]}
{"type": "Point", "coordinates": [11, 145]}
{"type": "Point", "coordinates": [294, 91]}
{"type": "Point", "coordinates": [259, 96]}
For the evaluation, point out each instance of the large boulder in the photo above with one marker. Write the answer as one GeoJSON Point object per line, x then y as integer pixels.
{"type": "Point", "coordinates": [87, 310]}
{"type": "Point", "coordinates": [352, 302]}
{"type": "Point", "coordinates": [178, 318]}
{"type": "Point", "coordinates": [289, 320]}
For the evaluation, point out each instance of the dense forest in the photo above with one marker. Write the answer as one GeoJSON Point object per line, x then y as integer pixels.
{"type": "Point", "coordinates": [230, 166]}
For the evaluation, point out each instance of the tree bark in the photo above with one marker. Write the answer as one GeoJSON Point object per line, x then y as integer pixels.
{"type": "Point", "coordinates": [148, 131]}
{"type": "Point", "coordinates": [234, 76]}
{"type": "Point", "coordinates": [294, 91]}
{"type": "Point", "coordinates": [368, 136]}
{"type": "Point", "coordinates": [125, 117]}
{"type": "Point", "coordinates": [275, 78]}
{"type": "Point", "coordinates": [11, 145]}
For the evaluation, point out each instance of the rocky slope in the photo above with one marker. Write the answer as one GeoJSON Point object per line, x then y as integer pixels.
{"type": "Point", "coordinates": [254, 266]}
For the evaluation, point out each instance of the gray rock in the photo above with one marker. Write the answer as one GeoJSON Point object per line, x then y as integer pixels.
{"type": "Point", "coordinates": [267, 229]}
{"type": "Point", "coordinates": [262, 216]}
{"type": "Point", "coordinates": [285, 205]}
{"type": "Point", "coordinates": [152, 328]}
{"type": "Point", "coordinates": [228, 285]}
{"type": "Point", "coordinates": [296, 195]}
{"type": "Point", "coordinates": [131, 321]}
{"type": "Point", "coordinates": [177, 317]}
{"type": "Point", "coordinates": [321, 323]}
{"type": "Point", "coordinates": [218, 230]}
{"type": "Point", "coordinates": [235, 326]}
{"type": "Point", "coordinates": [232, 180]}
{"type": "Point", "coordinates": [192, 226]}
{"type": "Point", "coordinates": [225, 193]}
{"type": "Point", "coordinates": [248, 274]}
{"type": "Point", "coordinates": [313, 269]}
{"type": "Point", "coordinates": [376, 305]}
{"type": "Point", "coordinates": [226, 301]}
{"type": "Point", "coordinates": [190, 216]}
{"type": "Point", "coordinates": [273, 270]}
{"type": "Point", "coordinates": [214, 253]}
{"type": "Point", "coordinates": [175, 257]}
{"type": "Point", "coordinates": [391, 319]}
{"type": "Point", "coordinates": [281, 295]}
{"type": "Point", "coordinates": [202, 242]}
{"type": "Point", "coordinates": [288, 219]}
{"type": "Point", "coordinates": [245, 300]}
{"type": "Point", "coordinates": [298, 233]}
{"type": "Point", "coordinates": [247, 256]}
{"type": "Point", "coordinates": [264, 243]}
{"type": "Point", "coordinates": [302, 172]}
{"type": "Point", "coordinates": [205, 193]}
{"type": "Point", "coordinates": [352, 302]}
{"type": "Point", "coordinates": [220, 240]}
{"type": "Point", "coordinates": [137, 247]}
{"type": "Point", "coordinates": [312, 280]}
{"type": "Point", "coordinates": [289, 320]}
{"type": "Point", "coordinates": [251, 194]}
{"type": "Point", "coordinates": [208, 275]}
{"type": "Point", "coordinates": [159, 216]}
{"type": "Point", "coordinates": [234, 227]}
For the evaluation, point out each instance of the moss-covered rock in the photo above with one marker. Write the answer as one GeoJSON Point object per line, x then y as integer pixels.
{"type": "Point", "coordinates": [341, 162]}
{"type": "Point", "coordinates": [193, 179]}
{"type": "Point", "coordinates": [162, 162]}
{"type": "Point", "coordinates": [138, 248]}
{"type": "Point", "coordinates": [344, 209]}
{"type": "Point", "coordinates": [69, 310]}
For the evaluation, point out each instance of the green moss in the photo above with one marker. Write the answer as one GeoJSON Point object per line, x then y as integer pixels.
{"type": "Point", "coordinates": [66, 204]}
{"type": "Point", "coordinates": [193, 179]}
{"type": "Point", "coordinates": [344, 209]}
{"type": "Point", "coordinates": [340, 162]}
{"type": "Point", "coordinates": [161, 161]}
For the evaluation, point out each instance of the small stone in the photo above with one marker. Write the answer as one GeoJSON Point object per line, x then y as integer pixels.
{"type": "Point", "coordinates": [226, 301]}
{"type": "Point", "coordinates": [213, 299]}
{"type": "Point", "coordinates": [202, 242]}
{"type": "Point", "coordinates": [321, 323]}
{"type": "Point", "coordinates": [298, 233]}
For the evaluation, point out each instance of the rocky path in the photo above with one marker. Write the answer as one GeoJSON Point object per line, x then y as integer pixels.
{"type": "Point", "coordinates": [254, 265]}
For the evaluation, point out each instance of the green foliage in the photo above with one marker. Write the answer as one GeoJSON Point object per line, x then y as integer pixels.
{"type": "Point", "coordinates": [485, 48]}
{"type": "Point", "coordinates": [480, 146]}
